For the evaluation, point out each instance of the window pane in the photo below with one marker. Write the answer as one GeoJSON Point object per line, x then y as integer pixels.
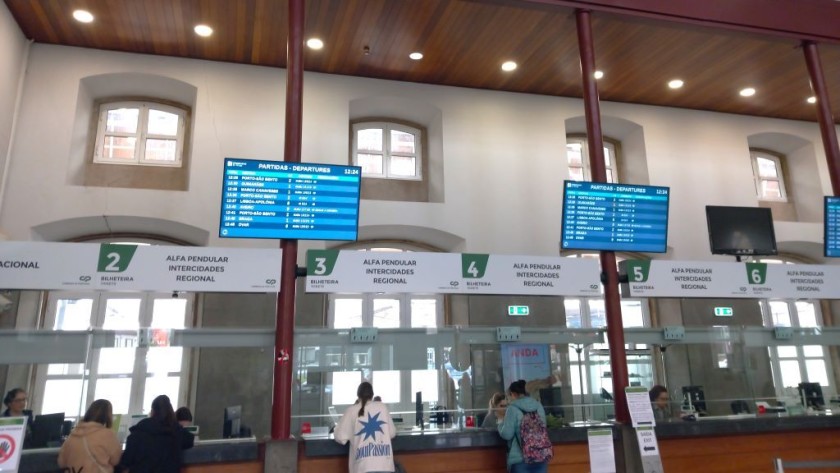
{"type": "Point", "coordinates": [766, 167]}
{"type": "Point", "coordinates": [610, 175]}
{"type": "Point", "coordinates": [572, 313]}
{"type": "Point", "coordinates": [574, 154]}
{"type": "Point", "coordinates": [807, 314]}
{"type": "Point", "coordinates": [607, 156]}
{"type": "Point", "coordinates": [348, 313]}
{"type": "Point", "coordinates": [402, 142]}
{"type": "Point", "coordinates": [575, 173]}
{"type": "Point", "coordinates": [122, 314]}
{"type": "Point", "coordinates": [631, 314]}
{"type": "Point", "coordinates": [369, 139]}
{"type": "Point", "coordinates": [597, 314]}
{"type": "Point", "coordinates": [386, 313]}
{"type": "Point", "coordinates": [64, 395]}
{"type": "Point", "coordinates": [345, 384]}
{"type": "Point", "coordinates": [787, 352]}
{"type": "Point", "coordinates": [423, 313]}
{"type": "Point", "coordinates": [73, 314]}
{"type": "Point", "coordinates": [161, 150]}
{"type": "Point", "coordinates": [403, 166]}
{"type": "Point", "coordinates": [116, 390]}
{"type": "Point", "coordinates": [780, 313]}
{"type": "Point", "coordinates": [116, 360]}
{"type": "Point", "coordinates": [816, 371]}
{"type": "Point", "coordinates": [770, 189]}
{"type": "Point", "coordinates": [164, 360]}
{"type": "Point", "coordinates": [370, 163]}
{"type": "Point", "coordinates": [169, 313]}
{"type": "Point", "coordinates": [119, 147]}
{"type": "Point", "coordinates": [813, 350]}
{"type": "Point", "coordinates": [157, 385]}
{"type": "Point", "coordinates": [425, 381]}
{"type": "Point", "coordinates": [122, 120]}
{"type": "Point", "coordinates": [790, 373]}
{"type": "Point", "coordinates": [163, 123]}
{"type": "Point", "coordinates": [386, 384]}
{"type": "Point", "coordinates": [66, 368]}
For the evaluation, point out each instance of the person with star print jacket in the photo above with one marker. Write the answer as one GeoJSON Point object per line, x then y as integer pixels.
{"type": "Point", "coordinates": [367, 425]}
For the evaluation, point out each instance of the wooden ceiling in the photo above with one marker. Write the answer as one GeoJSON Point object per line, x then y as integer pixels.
{"type": "Point", "coordinates": [464, 43]}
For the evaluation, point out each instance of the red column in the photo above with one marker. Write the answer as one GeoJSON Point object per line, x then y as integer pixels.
{"type": "Point", "coordinates": [281, 407]}
{"type": "Point", "coordinates": [595, 140]}
{"type": "Point", "coordinates": [824, 116]}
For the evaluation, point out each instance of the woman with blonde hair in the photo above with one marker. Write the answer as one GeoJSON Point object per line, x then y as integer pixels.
{"type": "Point", "coordinates": [92, 446]}
{"type": "Point", "coordinates": [497, 401]}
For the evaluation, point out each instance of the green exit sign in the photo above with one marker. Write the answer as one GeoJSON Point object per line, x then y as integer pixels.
{"type": "Point", "coordinates": [723, 311]}
{"type": "Point", "coordinates": [518, 310]}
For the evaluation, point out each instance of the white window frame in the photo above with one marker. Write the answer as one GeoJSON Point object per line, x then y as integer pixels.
{"type": "Point", "coordinates": [777, 160]}
{"type": "Point", "coordinates": [141, 135]}
{"type": "Point", "coordinates": [139, 373]}
{"type": "Point", "coordinates": [386, 128]}
{"type": "Point", "coordinates": [609, 147]}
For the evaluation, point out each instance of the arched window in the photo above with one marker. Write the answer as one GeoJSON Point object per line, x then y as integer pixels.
{"type": "Point", "coordinates": [768, 175]}
{"type": "Point", "coordinates": [577, 156]}
{"type": "Point", "coordinates": [140, 133]}
{"type": "Point", "coordinates": [388, 150]}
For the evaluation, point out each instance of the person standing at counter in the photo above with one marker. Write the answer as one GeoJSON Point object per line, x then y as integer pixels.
{"type": "Point", "coordinates": [156, 442]}
{"type": "Point", "coordinates": [367, 425]}
{"type": "Point", "coordinates": [523, 425]}
{"type": "Point", "coordinates": [497, 402]}
{"type": "Point", "coordinates": [92, 445]}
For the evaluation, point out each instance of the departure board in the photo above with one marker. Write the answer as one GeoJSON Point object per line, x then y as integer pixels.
{"type": "Point", "coordinates": [299, 201]}
{"type": "Point", "coordinates": [614, 217]}
{"type": "Point", "coordinates": [832, 227]}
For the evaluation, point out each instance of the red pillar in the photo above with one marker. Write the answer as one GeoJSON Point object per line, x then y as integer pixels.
{"type": "Point", "coordinates": [824, 116]}
{"type": "Point", "coordinates": [281, 407]}
{"type": "Point", "coordinates": [595, 140]}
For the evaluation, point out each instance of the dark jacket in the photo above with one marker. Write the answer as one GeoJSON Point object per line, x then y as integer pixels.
{"type": "Point", "coordinates": [153, 447]}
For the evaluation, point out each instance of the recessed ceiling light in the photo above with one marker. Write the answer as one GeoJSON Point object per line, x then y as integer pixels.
{"type": "Point", "coordinates": [83, 16]}
{"type": "Point", "coordinates": [598, 74]}
{"type": "Point", "coordinates": [812, 100]}
{"type": "Point", "coordinates": [676, 84]}
{"type": "Point", "coordinates": [748, 92]}
{"type": "Point", "coordinates": [203, 30]}
{"type": "Point", "coordinates": [416, 56]}
{"type": "Point", "coordinates": [508, 66]}
{"type": "Point", "coordinates": [314, 43]}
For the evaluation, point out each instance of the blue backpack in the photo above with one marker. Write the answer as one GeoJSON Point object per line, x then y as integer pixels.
{"type": "Point", "coordinates": [533, 439]}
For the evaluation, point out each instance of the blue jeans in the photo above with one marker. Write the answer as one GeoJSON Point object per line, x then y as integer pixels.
{"type": "Point", "coordinates": [529, 468]}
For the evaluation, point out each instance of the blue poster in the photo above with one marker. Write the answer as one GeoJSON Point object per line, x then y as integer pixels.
{"type": "Point", "coordinates": [524, 361]}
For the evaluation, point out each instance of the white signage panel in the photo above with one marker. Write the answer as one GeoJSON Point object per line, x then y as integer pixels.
{"type": "Point", "coordinates": [638, 402]}
{"type": "Point", "coordinates": [12, 431]}
{"type": "Point", "coordinates": [601, 453]}
{"type": "Point", "coordinates": [41, 265]}
{"type": "Point", "coordinates": [449, 273]}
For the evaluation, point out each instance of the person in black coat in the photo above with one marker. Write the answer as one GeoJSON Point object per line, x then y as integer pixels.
{"type": "Point", "coordinates": [155, 443]}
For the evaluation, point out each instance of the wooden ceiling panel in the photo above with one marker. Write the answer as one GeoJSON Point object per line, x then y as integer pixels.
{"type": "Point", "coordinates": [464, 43]}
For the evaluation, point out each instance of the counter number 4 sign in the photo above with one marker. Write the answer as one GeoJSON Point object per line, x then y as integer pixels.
{"type": "Point", "coordinates": [473, 265]}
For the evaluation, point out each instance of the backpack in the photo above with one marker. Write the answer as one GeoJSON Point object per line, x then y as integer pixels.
{"type": "Point", "coordinates": [533, 439]}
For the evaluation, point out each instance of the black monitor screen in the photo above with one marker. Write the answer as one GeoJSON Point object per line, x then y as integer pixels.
{"type": "Point", "coordinates": [552, 400]}
{"type": "Point", "coordinates": [233, 416]}
{"type": "Point", "coordinates": [832, 227]}
{"type": "Point", "coordinates": [46, 431]}
{"type": "Point", "coordinates": [811, 394]}
{"type": "Point", "coordinates": [300, 201]}
{"type": "Point", "coordinates": [741, 230]}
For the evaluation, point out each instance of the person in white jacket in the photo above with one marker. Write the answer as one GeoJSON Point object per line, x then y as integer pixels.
{"type": "Point", "coordinates": [367, 425]}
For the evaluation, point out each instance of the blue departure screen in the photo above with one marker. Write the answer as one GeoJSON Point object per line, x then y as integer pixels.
{"type": "Point", "coordinates": [298, 201]}
{"type": "Point", "coordinates": [614, 217]}
{"type": "Point", "coordinates": [832, 227]}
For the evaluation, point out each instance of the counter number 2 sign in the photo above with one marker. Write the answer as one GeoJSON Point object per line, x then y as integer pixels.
{"type": "Point", "coordinates": [115, 258]}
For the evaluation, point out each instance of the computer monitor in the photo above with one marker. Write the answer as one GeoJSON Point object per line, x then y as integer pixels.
{"type": "Point", "coordinates": [741, 230]}
{"type": "Point", "coordinates": [552, 401]}
{"type": "Point", "coordinates": [697, 397]}
{"type": "Point", "coordinates": [812, 395]}
{"type": "Point", "coordinates": [233, 417]}
{"type": "Point", "coordinates": [46, 431]}
{"type": "Point", "coordinates": [418, 408]}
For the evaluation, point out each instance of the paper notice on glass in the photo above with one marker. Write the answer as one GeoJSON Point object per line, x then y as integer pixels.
{"type": "Point", "coordinates": [647, 441]}
{"type": "Point", "coordinates": [601, 454]}
{"type": "Point", "coordinates": [12, 430]}
{"type": "Point", "coordinates": [638, 402]}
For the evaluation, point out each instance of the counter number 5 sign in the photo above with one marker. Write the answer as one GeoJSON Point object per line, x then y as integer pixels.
{"type": "Point", "coordinates": [638, 271]}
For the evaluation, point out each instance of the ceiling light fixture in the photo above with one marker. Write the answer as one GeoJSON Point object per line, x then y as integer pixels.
{"type": "Point", "coordinates": [598, 74]}
{"type": "Point", "coordinates": [416, 56]}
{"type": "Point", "coordinates": [748, 92]}
{"type": "Point", "coordinates": [314, 43]}
{"type": "Point", "coordinates": [508, 66]}
{"type": "Point", "coordinates": [83, 16]}
{"type": "Point", "coordinates": [812, 100]}
{"type": "Point", "coordinates": [203, 30]}
{"type": "Point", "coordinates": [676, 84]}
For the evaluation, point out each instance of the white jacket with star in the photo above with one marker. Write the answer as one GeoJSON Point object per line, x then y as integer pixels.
{"type": "Point", "coordinates": [369, 436]}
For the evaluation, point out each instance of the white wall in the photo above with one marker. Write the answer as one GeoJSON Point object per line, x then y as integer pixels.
{"type": "Point", "coordinates": [13, 47]}
{"type": "Point", "coordinates": [503, 153]}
